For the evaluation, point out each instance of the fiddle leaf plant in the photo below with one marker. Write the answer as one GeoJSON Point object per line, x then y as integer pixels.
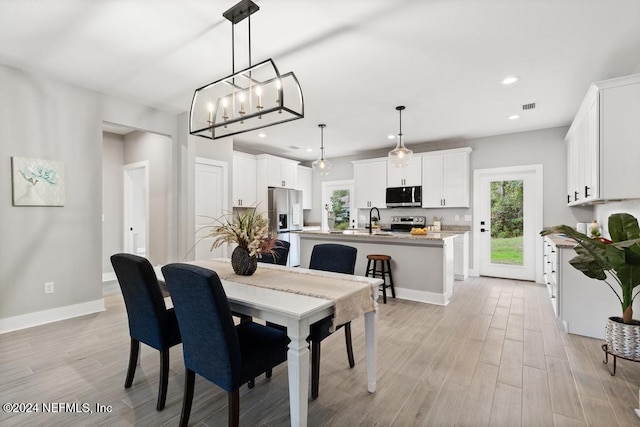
{"type": "Point", "coordinates": [615, 261]}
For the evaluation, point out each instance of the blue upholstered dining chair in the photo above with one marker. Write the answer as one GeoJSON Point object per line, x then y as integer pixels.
{"type": "Point", "coordinates": [213, 346]}
{"type": "Point", "coordinates": [279, 255]}
{"type": "Point", "coordinates": [149, 320]}
{"type": "Point", "coordinates": [339, 259]}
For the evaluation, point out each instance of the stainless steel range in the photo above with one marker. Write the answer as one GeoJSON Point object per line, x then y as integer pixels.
{"type": "Point", "coordinates": [406, 223]}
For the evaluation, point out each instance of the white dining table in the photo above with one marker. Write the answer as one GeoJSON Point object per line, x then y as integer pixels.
{"type": "Point", "coordinates": [297, 312]}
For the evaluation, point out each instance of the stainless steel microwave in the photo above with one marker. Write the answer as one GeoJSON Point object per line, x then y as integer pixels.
{"type": "Point", "coordinates": [404, 197]}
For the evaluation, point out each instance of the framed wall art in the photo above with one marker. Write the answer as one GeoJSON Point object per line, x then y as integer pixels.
{"type": "Point", "coordinates": [37, 182]}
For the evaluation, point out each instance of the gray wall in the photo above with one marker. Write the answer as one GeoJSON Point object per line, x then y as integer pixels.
{"type": "Point", "coordinates": [112, 197]}
{"type": "Point", "coordinates": [544, 147]}
{"type": "Point", "coordinates": [118, 151]}
{"type": "Point", "coordinates": [156, 149]}
{"type": "Point", "coordinates": [44, 118]}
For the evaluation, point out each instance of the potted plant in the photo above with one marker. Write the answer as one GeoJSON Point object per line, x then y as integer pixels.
{"type": "Point", "coordinates": [617, 263]}
{"type": "Point", "coordinates": [250, 231]}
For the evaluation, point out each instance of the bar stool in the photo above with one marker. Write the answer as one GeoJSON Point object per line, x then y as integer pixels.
{"type": "Point", "coordinates": [383, 271]}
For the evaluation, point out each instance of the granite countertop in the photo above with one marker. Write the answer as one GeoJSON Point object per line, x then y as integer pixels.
{"type": "Point", "coordinates": [562, 241]}
{"type": "Point", "coordinates": [364, 234]}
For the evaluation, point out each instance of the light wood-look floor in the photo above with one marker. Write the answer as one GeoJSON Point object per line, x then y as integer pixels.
{"type": "Point", "coordinates": [492, 357]}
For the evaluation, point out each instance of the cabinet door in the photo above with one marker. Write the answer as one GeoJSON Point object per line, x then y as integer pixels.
{"type": "Point", "coordinates": [378, 180]}
{"type": "Point", "coordinates": [274, 176]}
{"type": "Point", "coordinates": [591, 152]}
{"type": "Point", "coordinates": [456, 180]}
{"type": "Point", "coordinates": [409, 175]}
{"type": "Point", "coordinates": [432, 181]}
{"type": "Point", "coordinates": [288, 174]}
{"type": "Point", "coordinates": [303, 183]}
{"type": "Point", "coordinates": [362, 184]}
{"type": "Point", "coordinates": [244, 181]}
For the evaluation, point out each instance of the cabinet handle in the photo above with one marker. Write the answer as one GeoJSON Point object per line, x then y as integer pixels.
{"type": "Point", "coordinates": [575, 196]}
{"type": "Point", "coordinates": [586, 191]}
{"type": "Point", "coordinates": [568, 198]}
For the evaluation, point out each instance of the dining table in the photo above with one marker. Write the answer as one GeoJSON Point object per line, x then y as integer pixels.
{"type": "Point", "coordinates": [283, 295]}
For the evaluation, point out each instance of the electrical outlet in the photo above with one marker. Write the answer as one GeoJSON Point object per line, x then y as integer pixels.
{"type": "Point", "coordinates": [48, 288]}
{"type": "Point", "coordinates": [457, 218]}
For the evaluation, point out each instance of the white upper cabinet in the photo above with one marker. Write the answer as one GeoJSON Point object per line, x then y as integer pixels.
{"type": "Point", "coordinates": [409, 175]}
{"type": "Point", "coordinates": [603, 143]}
{"type": "Point", "coordinates": [445, 178]}
{"type": "Point", "coordinates": [304, 184]}
{"type": "Point", "coordinates": [272, 171]}
{"type": "Point", "coordinates": [244, 180]}
{"type": "Point", "coordinates": [279, 172]}
{"type": "Point", "coordinates": [370, 178]}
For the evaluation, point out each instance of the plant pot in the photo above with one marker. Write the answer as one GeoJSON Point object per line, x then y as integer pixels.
{"type": "Point", "coordinates": [243, 264]}
{"type": "Point", "coordinates": [623, 339]}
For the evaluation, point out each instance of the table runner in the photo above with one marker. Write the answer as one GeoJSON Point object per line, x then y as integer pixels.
{"type": "Point", "coordinates": [352, 298]}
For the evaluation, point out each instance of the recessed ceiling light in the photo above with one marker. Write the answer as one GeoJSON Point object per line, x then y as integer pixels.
{"type": "Point", "coordinates": [510, 80]}
{"type": "Point", "coordinates": [309, 150]}
{"type": "Point", "coordinates": [514, 117]}
{"type": "Point", "coordinates": [391, 136]}
{"type": "Point", "coordinates": [262, 135]}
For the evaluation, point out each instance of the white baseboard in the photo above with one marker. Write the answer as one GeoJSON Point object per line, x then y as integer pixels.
{"type": "Point", "coordinates": [420, 296]}
{"type": "Point", "coordinates": [109, 277]}
{"type": "Point", "coordinates": [29, 320]}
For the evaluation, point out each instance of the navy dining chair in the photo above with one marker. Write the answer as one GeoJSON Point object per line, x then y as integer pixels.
{"type": "Point", "coordinates": [213, 346]}
{"type": "Point", "coordinates": [149, 320]}
{"type": "Point", "coordinates": [279, 254]}
{"type": "Point", "coordinates": [338, 259]}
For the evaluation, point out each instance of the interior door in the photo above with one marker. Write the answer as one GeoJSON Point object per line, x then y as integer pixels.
{"type": "Point", "coordinates": [508, 222]}
{"type": "Point", "coordinates": [136, 208]}
{"type": "Point", "coordinates": [210, 205]}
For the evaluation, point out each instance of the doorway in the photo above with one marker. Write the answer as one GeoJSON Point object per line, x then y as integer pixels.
{"type": "Point", "coordinates": [211, 197]}
{"type": "Point", "coordinates": [338, 211]}
{"type": "Point", "coordinates": [508, 218]}
{"type": "Point", "coordinates": [136, 208]}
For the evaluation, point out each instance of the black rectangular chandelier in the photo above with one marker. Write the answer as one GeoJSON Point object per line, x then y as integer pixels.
{"type": "Point", "coordinates": [254, 98]}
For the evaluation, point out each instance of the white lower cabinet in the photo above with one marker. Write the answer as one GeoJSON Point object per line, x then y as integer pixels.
{"type": "Point", "coordinates": [582, 305]}
{"type": "Point", "coordinates": [461, 256]}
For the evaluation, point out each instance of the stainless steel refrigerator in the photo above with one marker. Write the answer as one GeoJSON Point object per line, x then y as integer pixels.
{"type": "Point", "coordinates": [285, 216]}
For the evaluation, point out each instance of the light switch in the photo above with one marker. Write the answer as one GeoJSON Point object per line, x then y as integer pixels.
{"type": "Point", "coordinates": [467, 218]}
{"type": "Point", "coordinates": [457, 218]}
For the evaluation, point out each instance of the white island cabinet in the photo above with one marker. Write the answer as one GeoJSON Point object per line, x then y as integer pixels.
{"type": "Point", "coordinates": [422, 266]}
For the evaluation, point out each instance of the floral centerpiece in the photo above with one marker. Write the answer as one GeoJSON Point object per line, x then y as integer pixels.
{"type": "Point", "coordinates": [250, 231]}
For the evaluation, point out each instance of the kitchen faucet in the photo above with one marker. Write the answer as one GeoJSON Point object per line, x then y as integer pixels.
{"type": "Point", "coordinates": [370, 212]}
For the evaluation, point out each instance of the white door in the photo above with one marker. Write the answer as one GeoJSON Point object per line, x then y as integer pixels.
{"type": "Point", "coordinates": [136, 208]}
{"type": "Point", "coordinates": [507, 221]}
{"type": "Point", "coordinates": [338, 204]}
{"type": "Point", "coordinates": [210, 205]}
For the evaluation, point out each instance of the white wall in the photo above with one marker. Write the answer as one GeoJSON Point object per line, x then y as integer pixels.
{"type": "Point", "coordinates": [44, 118]}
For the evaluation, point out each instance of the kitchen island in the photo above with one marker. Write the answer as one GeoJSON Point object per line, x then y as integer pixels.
{"type": "Point", "coordinates": [422, 266]}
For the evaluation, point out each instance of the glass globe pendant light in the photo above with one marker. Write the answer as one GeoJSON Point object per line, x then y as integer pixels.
{"type": "Point", "coordinates": [401, 155]}
{"type": "Point", "coordinates": [322, 165]}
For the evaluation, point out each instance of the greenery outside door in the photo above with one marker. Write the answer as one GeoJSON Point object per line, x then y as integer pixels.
{"type": "Point", "coordinates": [337, 205]}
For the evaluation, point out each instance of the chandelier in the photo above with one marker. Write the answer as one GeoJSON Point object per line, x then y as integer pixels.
{"type": "Point", "coordinates": [322, 165]}
{"type": "Point", "coordinates": [254, 98]}
{"type": "Point", "coordinates": [401, 155]}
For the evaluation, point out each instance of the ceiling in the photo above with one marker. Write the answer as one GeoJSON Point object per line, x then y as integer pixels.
{"type": "Point", "coordinates": [355, 60]}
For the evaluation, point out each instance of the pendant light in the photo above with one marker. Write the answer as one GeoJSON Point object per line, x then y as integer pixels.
{"type": "Point", "coordinates": [322, 165]}
{"type": "Point", "coordinates": [254, 98]}
{"type": "Point", "coordinates": [401, 155]}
